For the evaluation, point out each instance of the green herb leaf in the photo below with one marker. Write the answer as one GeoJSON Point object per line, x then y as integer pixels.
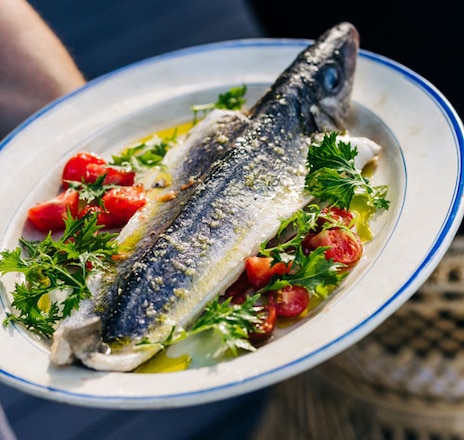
{"type": "Point", "coordinates": [89, 192]}
{"type": "Point", "coordinates": [313, 271]}
{"type": "Point", "coordinates": [291, 233]}
{"type": "Point", "coordinates": [233, 99]}
{"type": "Point", "coordinates": [334, 178]}
{"type": "Point", "coordinates": [56, 268]}
{"type": "Point", "coordinates": [233, 323]}
{"type": "Point", "coordinates": [145, 155]}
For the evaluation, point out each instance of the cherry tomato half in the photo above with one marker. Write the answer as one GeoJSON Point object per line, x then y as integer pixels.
{"type": "Point", "coordinates": [49, 215]}
{"type": "Point", "coordinates": [120, 205]}
{"type": "Point", "coordinates": [290, 301]}
{"type": "Point", "coordinates": [113, 176]}
{"type": "Point", "coordinates": [266, 325]}
{"type": "Point", "coordinates": [76, 167]}
{"type": "Point", "coordinates": [345, 246]}
{"type": "Point", "coordinates": [260, 271]}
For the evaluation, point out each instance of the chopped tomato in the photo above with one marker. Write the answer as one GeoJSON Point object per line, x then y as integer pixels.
{"type": "Point", "coordinates": [290, 301]}
{"type": "Point", "coordinates": [90, 208]}
{"type": "Point", "coordinates": [266, 325]}
{"type": "Point", "coordinates": [113, 176]}
{"type": "Point", "coordinates": [344, 246]}
{"type": "Point", "coordinates": [49, 216]}
{"type": "Point", "coordinates": [76, 167]}
{"type": "Point", "coordinates": [260, 271]}
{"type": "Point", "coordinates": [120, 204]}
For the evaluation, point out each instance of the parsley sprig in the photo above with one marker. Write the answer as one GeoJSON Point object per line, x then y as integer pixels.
{"type": "Point", "coordinates": [334, 178]}
{"type": "Point", "coordinates": [290, 234]}
{"type": "Point", "coordinates": [232, 322]}
{"type": "Point", "coordinates": [56, 266]}
{"type": "Point", "coordinates": [233, 99]}
{"type": "Point", "coordinates": [144, 155]}
{"type": "Point", "coordinates": [313, 271]}
{"type": "Point", "coordinates": [91, 191]}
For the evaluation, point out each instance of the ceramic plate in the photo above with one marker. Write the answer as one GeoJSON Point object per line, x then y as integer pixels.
{"type": "Point", "coordinates": [422, 139]}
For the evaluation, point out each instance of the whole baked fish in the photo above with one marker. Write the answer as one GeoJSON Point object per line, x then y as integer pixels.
{"type": "Point", "coordinates": [178, 268]}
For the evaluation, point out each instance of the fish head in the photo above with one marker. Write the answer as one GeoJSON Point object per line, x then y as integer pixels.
{"type": "Point", "coordinates": [328, 75]}
{"type": "Point", "coordinates": [314, 92]}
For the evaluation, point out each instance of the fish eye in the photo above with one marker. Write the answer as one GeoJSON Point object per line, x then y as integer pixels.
{"type": "Point", "coordinates": [331, 77]}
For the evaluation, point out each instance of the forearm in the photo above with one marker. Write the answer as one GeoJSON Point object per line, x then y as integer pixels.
{"type": "Point", "coordinates": [35, 67]}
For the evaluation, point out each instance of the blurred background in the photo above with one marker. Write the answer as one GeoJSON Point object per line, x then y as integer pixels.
{"type": "Point", "coordinates": [104, 35]}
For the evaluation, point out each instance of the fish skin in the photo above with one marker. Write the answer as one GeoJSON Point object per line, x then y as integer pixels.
{"type": "Point", "coordinates": [236, 207]}
{"type": "Point", "coordinates": [206, 143]}
{"type": "Point", "coordinates": [185, 166]}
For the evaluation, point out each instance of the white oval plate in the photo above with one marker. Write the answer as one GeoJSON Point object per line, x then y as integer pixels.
{"type": "Point", "coordinates": [421, 162]}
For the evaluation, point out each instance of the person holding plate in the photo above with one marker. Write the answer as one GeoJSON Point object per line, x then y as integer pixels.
{"type": "Point", "coordinates": [35, 67]}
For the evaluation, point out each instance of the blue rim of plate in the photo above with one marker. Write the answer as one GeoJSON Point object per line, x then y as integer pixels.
{"type": "Point", "coordinates": [446, 233]}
